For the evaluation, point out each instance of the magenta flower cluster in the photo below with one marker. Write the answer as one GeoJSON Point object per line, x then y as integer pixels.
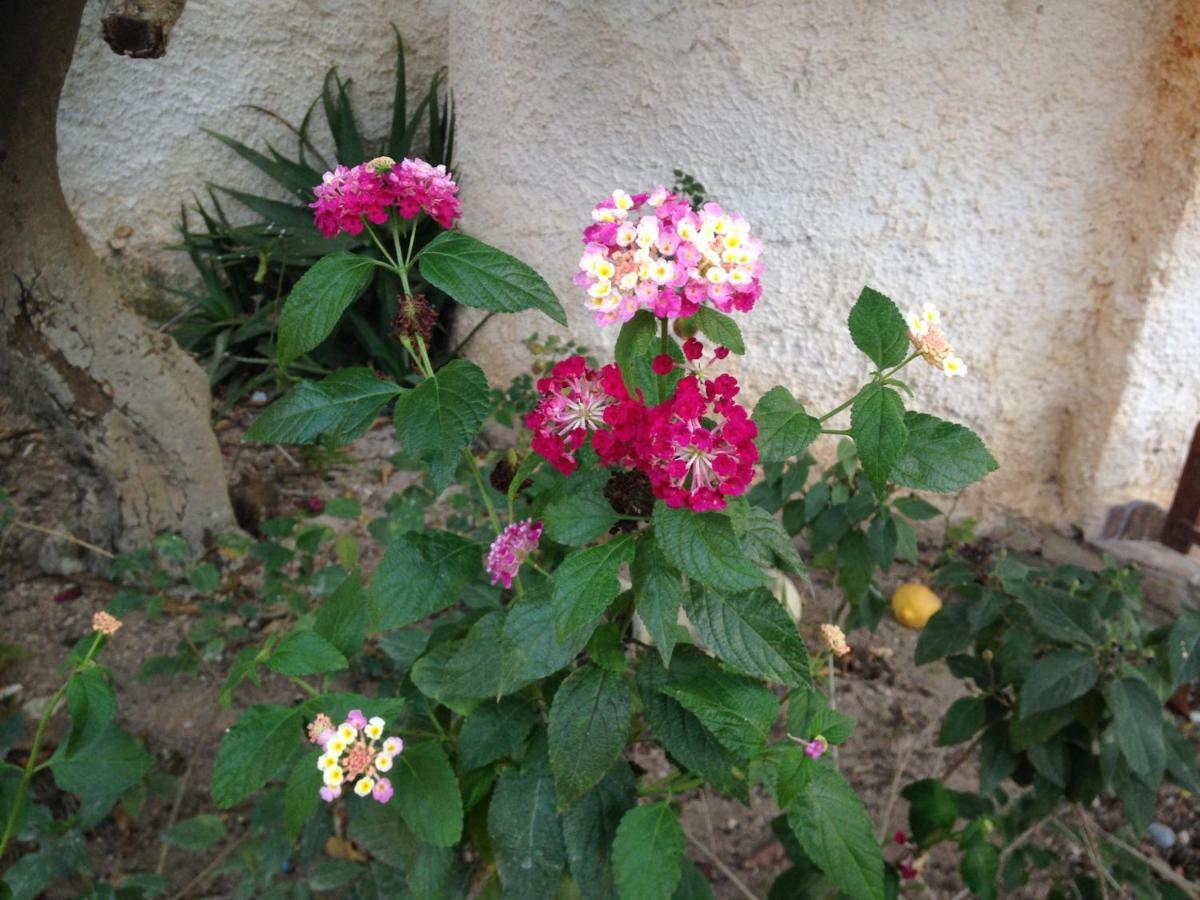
{"type": "Point", "coordinates": [350, 197]}
{"type": "Point", "coordinates": [654, 251]}
{"type": "Point", "coordinates": [511, 548]}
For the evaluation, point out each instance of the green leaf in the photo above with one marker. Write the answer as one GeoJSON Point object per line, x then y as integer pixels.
{"type": "Point", "coordinates": [422, 573]}
{"type": "Point", "coordinates": [765, 542]}
{"type": "Point", "coordinates": [878, 329]}
{"type": "Point", "coordinates": [311, 311]}
{"type": "Point", "coordinates": [244, 665]}
{"type": "Point", "coordinates": [92, 704]}
{"type": "Point", "coordinates": [586, 583]}
{"type": "Point", "coordinates": [948, 631]}
{"type": "Point", "coordinates": [301, 796]}
{"type": "Point", "coordinates": [526, 833]}
{"type": "Point", "coordinates": [457, 673]}
{"type": "Point", "coordinates": [1059, 616]}
{"type": "Point", "coordinates": [1137, 714]}
{"type": "Point", "coordinates": [978, 866]}
{"type": "Point", "coordinates": [427, 794]}
{"type": "Point", "coordinates": [963, 720]}
{"type": "Point", "coordinates": [932, 810]}
{"type": "Point", "coordinates": [196, 834]}
{"type": "Point", "coordinates": [341, 407]}
{"type": "Point", "coordinates": [437, 420]}
{"type": "Point", "coordinates": [834, 829]}
{"type": "Point", "coordinates": [305, 653]}
{"type": "Point", "coordinates": [589, 826]}
{"type": "Point", "coordinates": [494, 731]}
{"type": "Point", "coordinates": [659, 591]}
{"type": "Point", "coordinates": [531, 646]}
{"type": "Point", "coordinates": [342, 618]}
{"type": "Point", "coordinates": [252, 752]}
{"type": "Point", "coordinates": [877, 426]}
{"type": "Point", "coordinates": [111, 763]}
{"type": "Point", "coordinates": [648, 853]}
{"type": "Point", "coordinates": [916, 508]}
{"type": "Point", "coordinates": [680, 732]}
{"type": "Point", "coordinates": [1057, 679]}
{"type": "Point", "coordinates": [704, 547]}
{"type": "Point", "coordinates": [579, 513]}
{"type": "Point", "coordinates": [590, 720]}
{"type": "Point", "coordinates": [784, 428]}
{"type": "Point", "coordinates": [719, 327]}
{"type": "Point", "coordinates": [940, 456]}
{"type": "Point", "coordinates": [638, 342]}
{"type": "Point", "coordinates": [738, 711]}
{"type": "Point", "coordinates": [809, 715]}
{"type": "Point", "coordinates": [481, 276]}
{"type": "Point", "coordinates": [1183, 649]}
{"type": "Point", "coordinates": [752, 633]}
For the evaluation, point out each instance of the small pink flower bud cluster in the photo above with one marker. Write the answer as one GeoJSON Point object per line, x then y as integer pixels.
{"type": "Point", "coordinates": [696, 447]}
{"type": "Point", "coordinates": [351, 755]}
{"type": "Point", "coordinates": [834, 640]}
{"type": "Point", "coordinates": [654, 251]}
{"type": "Point", "coordinates": [511, 548]}
{"type": "Point", "coordinates": [349, 195]}
{"type": "Point", "coordinates": [106, 624]}
{"type": "Point", "coordinates": [813, 749]}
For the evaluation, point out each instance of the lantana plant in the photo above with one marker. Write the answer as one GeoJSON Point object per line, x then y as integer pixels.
{"type": "Point", "coordinates": [603, 583]}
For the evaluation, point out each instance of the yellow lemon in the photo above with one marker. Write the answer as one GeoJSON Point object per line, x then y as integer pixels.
{"type": "Point", "coordinates": [913, 604]}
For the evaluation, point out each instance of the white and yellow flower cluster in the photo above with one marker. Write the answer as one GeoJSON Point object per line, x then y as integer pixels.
{"type": "Point", "coordinates": [926, 335]}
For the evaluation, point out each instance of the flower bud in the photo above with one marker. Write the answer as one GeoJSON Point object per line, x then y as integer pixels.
{"type": "Point", "coordinates": [414, 318]}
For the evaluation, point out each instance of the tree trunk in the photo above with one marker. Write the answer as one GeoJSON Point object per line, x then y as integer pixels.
{"type": "Point", "coordinates": [126, 405]}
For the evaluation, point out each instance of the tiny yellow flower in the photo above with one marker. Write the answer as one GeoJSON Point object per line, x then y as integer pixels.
{"type": "Point", "coordinates": [930, 314]}
{"type": "Point", "coordinates": [326, 761]}
{"type": "Point", "coordinates": [625, 235]}
{"type": "Point", "coordinates": [600, 288]}
{"type": "Point", "coordinates": [954, 367]}
{"type": "Point", "coordinates": [383, 762]}
{"type": "Point", "coordinates": [623, 200]}
{"type": "Point", "coordinates": [334, 776]}
{"type": "Point", "coordinates": [363, 786]}
{"type": "Point", "coordinates": [604, 269]}
{"type": "Point", "coordinates": [715, 275]}
{"type": "Point", "coordinates": [336, 746]}
{"type": "Point", "coordinates": [740, 276]}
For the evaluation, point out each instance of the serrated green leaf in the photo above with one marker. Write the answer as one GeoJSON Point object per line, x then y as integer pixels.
{"type": "Point", "coordinates": [458, 673]}
{"type": "Point", "coordinates": [878, 329]}
{"type": "Point", "coordinates": [92, 704]}
{"type": "Point", "coordinates": [437, 420]}
{"type": "Point", "coordinates": [476, 274]}
{"type": "Point", "coordinates": [590, 720]}
{"type": "Point", "coordinates": [305, 653]}
{"type": "Point", "coordinates": [586, 583]}
{"type": "Point", "coordinates": [252, 751]}
{"type": "Point", "coordinates": [494, 731]}
{"type": "Point", "coordinates": [579, 513]}
{"type": "Point", "coordinates": [658, 588]}
{"type": "Point", "coordinates": [589, 826]}
{"type": "Point", "coordinates": [978, 866]}
{"type": "Point", "coordinates": [963, 720]}
{"type": "Point", "coordinates": [948, 631]}
{"type": "Point", "coordinates": [809, 715]}
{"type": "Point", "coordinates": [1183, 649]}
{"type": "Point", "coordinates": [877, 426]}
{"type": "Point", "coordinates": [722, 329]}
{"type": "Point", "coordinates": [422, 573]}
{"type": "Point", "coordinates": [341, 407]}
{"type": "Point", "coordinates": [311, 311]}
{"type": "Point", "coordinates": [834, 829]}
{"type": "Point", "coordinates": [940, 456]}
{"type": "Point", "coordinates": [427, 794]}
{"type": "Point", "coordinates": [531, 646]}
{"type": "Point", "coordinates": [1137, 716]}
{"type": "Point", "coordinates": [301, 795]}
{"type": "Point", "coordinates": [1056, 679]}
{"type": "Point", "coordinates": [765, 542]}
{"type": "Point", "coordinates": [343, 617]}
{"type": "Point", "coordinates": [526, 834]}
{"type": "Point", "coordinates": [704, 547]}
{"type": "Point", "coordinates": [784, 428]}
{"type": "Point", "coordinates": [111, 763]}
{"type": "Point", "coordinates": [752, 633]}
{"type": "Point", "coordinates": [738, 711]}
{"type": "Point", "coordinates": [648, 853]}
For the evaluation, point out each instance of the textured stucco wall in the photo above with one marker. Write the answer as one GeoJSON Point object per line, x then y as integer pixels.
{"type": "Point", "coordinates": [130, 145]}
{"type": "Point", "coordinates": [1005, 160]}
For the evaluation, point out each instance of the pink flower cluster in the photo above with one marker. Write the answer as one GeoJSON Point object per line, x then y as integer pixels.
{"type": "Point", "coordinates": [697, 447]}
{"type": "Point", "coordinates": [348, 196]}
{"type": "Point", "coordinates": [511, 548]}
{"type": "Point", "coordinates": [669, 259]}
{"type": "Point", "coordinates": [350, 754]}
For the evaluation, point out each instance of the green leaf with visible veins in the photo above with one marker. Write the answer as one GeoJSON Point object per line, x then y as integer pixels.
{"type": "Point", "coordinates": [704, 547]}
{"type": "Point", "coordinates": [940, 456]}
{"type": "Point", "coordinates": [877, 426]}
{"type": "Point", "coordinates": [341, 408]}
{"type": "Point", "coordinates": [648, 853]}
{"type": "Point", "coordinates": [526, 835]}
{"type": "Point", "coordinates": [422, 573]}
{"type": "Point", "coordinates": [752, 633]}
{"type": "Point", "coordinates": [427, 794]}
{"type": "Point", "coordinates": [476, 274]}
{"type": "Point", "coordinates": [721, 328]}
{"type": "Point", "coordinates": [658, 588]}
{"type": "Point", "coordinates": [738, 711]}
{"type": "Point", "coordinates": [437, 420]}
{"type": "Point", "coordinates": [589, 827]}
{"type": "Point", "coordinates": [590, 720]}
{"type": "Point", "coordinates": [586, 583]}
{"type": "Point", "coordinates": [784, 428]}
{"type": "Point", "coordinates": [252, 752]}
{"type": "Point", "coordinates": [311, 311]}
{"type": "Point", "coordinates": [878, 329]}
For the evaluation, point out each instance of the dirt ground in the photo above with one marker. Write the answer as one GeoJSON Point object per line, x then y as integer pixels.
{"type": "Point", "coordinates": [898, 706]}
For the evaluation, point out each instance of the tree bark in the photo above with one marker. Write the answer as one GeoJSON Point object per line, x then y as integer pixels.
{"type": "Point", "coordinates": [118, 397]}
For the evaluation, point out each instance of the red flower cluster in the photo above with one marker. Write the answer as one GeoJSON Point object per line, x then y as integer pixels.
{"type": "Point", "coordinates": [697, 447]}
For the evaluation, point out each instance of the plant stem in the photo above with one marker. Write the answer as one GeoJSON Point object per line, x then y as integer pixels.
{"type": "Point", "coordinates": [369, 230]}
{"type": "Point", "coordinates": [31, 763]}
{"type": "Point", "coordinates": [312, 691]}
{"type": "Point", "coordinates": [837, 409]}
{"type": "Point", "coordinates": [890, 372]}
{"type": "Point", "coordinates": [66, 536]}
{"type": "Point", "coordinates": [471, 334]}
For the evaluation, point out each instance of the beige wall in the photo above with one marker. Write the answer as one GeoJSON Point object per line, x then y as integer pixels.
{"type": "Point", "coordinates": [1028, 166]}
